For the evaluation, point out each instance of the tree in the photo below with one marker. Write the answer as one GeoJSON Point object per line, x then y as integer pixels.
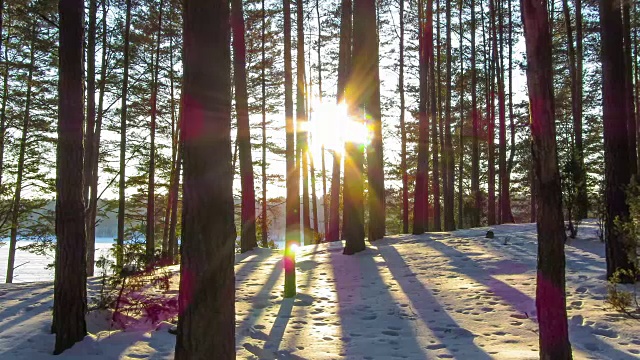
{"type": "Point", "coordinates": [123, 138]}
{"type": "Point", "coordinates": [420, 198]}
{"type": "Point", "coordinates": [344, 68]}
{"type": "Point", "coordinates": [248, 214]}
{"type": "Point", "coordinates": [302, 138]}
{"type": "Point", "coordinates": [21, 159]}
{"type": "Point", "coordinates": [435, 116]}
{"type": "Point", "coordinates": [325, 204]}
{"type": "Point", "coordinates": [263, 109]}
{"type": "Point", "coordinates": [616, 142]}
{"type": "Point", "coordinates": [461, 143]}
{"type": "Point", "coordinates": [366, 60]}
{"type": "Point", "coordinates": [206, 298]}
{"type": "Point", "coordinates": [293, 169]}
{"type": "Point", "coordinates": [449, 221]}
{"type": "Point", "coordinates": [550, 288]}
{"type": "Point", "coordinates": [69, 297]}
{"type": "Point", "coordinates": [90, 130]}
{"type": "Point", "coordinates": [475, 146]}
{"type": "Point", "coordinates": [403, 130]}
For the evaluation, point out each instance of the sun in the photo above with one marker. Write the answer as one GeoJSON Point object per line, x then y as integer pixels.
{"type": "Point", "coordinates": [331, 126]}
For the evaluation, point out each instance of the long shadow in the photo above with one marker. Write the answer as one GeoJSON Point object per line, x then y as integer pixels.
{"type": "Point", "coordinates": [22, 303]}
{"type": "Point", "coordinates": [248, 264]}
{"type": "Point", "coordinates": [595, 345]}
{"type": "Point", "coordinates": [369, 315]}
{"type": "Point", "coordinates": [445, 328]}
{"type": "Point", "coordinates": [516, 298]}
{"type": "Point", "coordinates": [276, 334]}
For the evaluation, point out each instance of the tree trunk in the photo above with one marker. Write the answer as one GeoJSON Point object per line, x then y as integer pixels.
{"type": "Point", "coordinates": [3, 115]}
{"type": "Point", "coordinates": [123, 139]}
{"type": "Point", "coordinates": [628, 61]}
{"type": "Point", "coordinates": [461, 145]}
{"type": "Point", "coordinates": [172, 245]}
{"type": "Point", "coordinates": [505, 197]}
{"type": "Point", "coordinates": [93, 204]}
{"type": "Point", "coordinates": [370, 103]}
{"type": "Point", "coordinates": [293, 169]}
{"type": "Point", "coordinates": [325, 207]}
{"type": "Point", "coordinates": [550, 288]}
{"type": "Point", "coordinates": [491, 198]}
{"type": "Point", "coordinates": [263, 82]}
{"type": "Point", "coordinates": [15, 213]}
{"type": "Point", "coordinates": [301, 118]}
{"type": "Point", "coordinates": [364, 16]}
{"type": "Point", "coordinates": [449, 220]}
{"type": "Point", "coordinates": [475, 146]}
{"type": "Point", "coordinates": [207, 285]}
{"type": "Point", "coordinates": [344, 62]}
{"type": "Point", "coordinates": [403, 131]}
{"type": "Point", "coordinates": [616, 139]}
{"type": "Point", "coordinates": [576, 104]}
{"type": "Point", "coordinates": [69, 294]}
{"type": "Point", "coordinates": [435, 115]}
{"type": "Point", "coordinates": [90, 131]}
{"type": "Point", "coordinates": [512, 151]}
{"type": "Point", "coordinates": [248, 212]}
{"type": "Point", "coordinates": [150, 236]}
{"type": "Point", "coordinates": [420, 198]}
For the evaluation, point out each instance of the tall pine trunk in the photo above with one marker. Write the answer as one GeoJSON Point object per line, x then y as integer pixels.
{"type": "Point", "coordinates": [370, 103]}
{"type": "Point", "coordinates": [123, 139]}
{"type": "Point", "coordinates": [248, 212]}
{"type": "Point", "coordinates": [583, 197]}
{"type": "Point", "coordinates": [263, 107]}
{"type": "Point", "coordinates": [449, 221]}
{"type": "Point", "coordinates": [550, 284]}
{"type": "Point", "coordinates": [325, 207]}
{"type": "Point", "coordinates": [302, 139]}
{"type": "Point", "coordinates": [207, 286]}
{"type": "Point", "coordinates": [403, 131]}
{"type": "Point", "coordinates": [90, 131]}
{"type": "Point", "coordinates": [150, 236]}
{"type": "Point", "coordinates": [461, 144]}
{"type": "Point", "coordinates": [344, 65]}
{"type": "Point", "coordinates": [15, 212]}
{"type": "Point", "coordinates": [475, 146]}
{"type": "Point", "coordinates": [420, 199]}
{"type": "Point", "coordinates": [69, 294]}
{"type": "Point", "coordinates": [630, 106]}
{"type": "Point", "coordinates": [491, 198]}
{"type": "Point", "coordinates": [616, 140]}
{"type": "Point", "coordinates": [293, 169]}
{"type": "Point", "coordinates": [435, 116]}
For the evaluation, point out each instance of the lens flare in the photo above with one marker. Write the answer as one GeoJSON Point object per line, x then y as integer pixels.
{"type": "Point", "coordinates": [331, 126]}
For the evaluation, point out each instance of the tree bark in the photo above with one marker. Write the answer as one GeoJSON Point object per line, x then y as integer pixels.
{"type": "Point", "coordinates": [420, 198]}
{"type": "Point", "coordinates": [370, 103]}
{"type": "Point", "coordinates": [475, 146]}
{"type": "Point", "coordinates": [616, 139]}
{"type": "Point", "coordinates": [207, 285]}
{"type": "Point", "coordinates": [90, 131]}
{"type": "Point", "coordinates": [263, 80]}
{"type": "Point", "coordinates": [293, 169]}
{"type": "Point", "coordinates": [435, 116]}
{"type": "Point", "coordinates": [403, 131]}
{"type": "Point", "coordinates": [461, 145]}
{"type": "Point", "coordinates": [449, 220]}
{"type": "Point", "coordinates": [630, 106]}
{"type": "Point", "coordinates": [491, 198]}
{"type": "Point", "coordinates": [302, 140]}
{"type": "Point", "coordinates": [69, 294]}
{"type": "Point", "coordinates": [344, 65]}
{"type": "Point", "coordinates": [123, 140]}
{"type": "Point", "coordinates": [550, 288]}
{"type": "Point", "coordinates": [248, 213]}
{"type": "Point", "coordinates": [325, 207]}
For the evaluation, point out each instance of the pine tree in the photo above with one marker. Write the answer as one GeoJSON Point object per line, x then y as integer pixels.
{"type": "Point", "coordinates": [69, 298]}
{"type": "Point", "coordinates": [420, 197]}
{"type": "Point", "coordinates": [206, 299]}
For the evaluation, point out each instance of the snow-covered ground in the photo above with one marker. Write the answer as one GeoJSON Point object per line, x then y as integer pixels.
{"type": "Point", "coordinates": [445, 295]}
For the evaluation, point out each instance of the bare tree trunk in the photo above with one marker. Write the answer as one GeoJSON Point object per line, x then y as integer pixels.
{"type": "Point", "coordinates": [420, 198]}
{"type": "Point", "coordinates": [550, 289]}
{"type": "Point", "coordinates": [248, 213]}
{"type": "Point", "coordinates": [69, 294]}
{"type": "Point", "coordinates": [174, 146]}
{"type": "Point", "coordinates": [628, 61]}
{"type": "Point", "coordinates": [293, 169]}
{"type": "Point", "coordinates": [263, 80]}
{"type": "Point", "coordinates": [491, 198]}
{"type": "Point", "coordinates": [3, 115]}
{"type": "Point", "coordinates": [343, 75]}
{"type": "Point", "coordinates": [301, 118]}
{"type": "Point", "coordinates": [475, 146]}
{"type": "Point", "coordinates": [90, 131]}
{"type": "Point", "coordinates": [207, 286]}
{"type": "Point", "coordinates": [512, 151]}
{"type": "Point", "coordinates": [616, 140]}
{"type": "Point", "coordinates": [435, 115]}
{"type": "Point", "coordinates": [325, 207]}
{"type": "Point", "coordinates": [371, 104]}
{"type": "Point", "coordinates": [150, 238]}
{"type": "Point", "coordinates": [449, 220]}
{"type": "Point", "coordinates": [93, 205]}
{"type": "Point", "coordinates": [15, 213]}
{"type": "Point", "coordinates": [403, 131]}
{"type": "Point", "coordinates": [461, 145]}
{"type": "Point", "coordinates": [123, 139]}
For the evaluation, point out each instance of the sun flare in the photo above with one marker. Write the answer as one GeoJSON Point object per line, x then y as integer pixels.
{"type": "Point", "coordinates": [331, 126]}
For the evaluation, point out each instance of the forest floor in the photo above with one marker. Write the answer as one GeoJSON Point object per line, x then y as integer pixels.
{"type": "Point", "coordinates": [434, 296]}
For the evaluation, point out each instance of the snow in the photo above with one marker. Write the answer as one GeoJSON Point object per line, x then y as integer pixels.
{"type": "Point", "coordinates": [435, 296]}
